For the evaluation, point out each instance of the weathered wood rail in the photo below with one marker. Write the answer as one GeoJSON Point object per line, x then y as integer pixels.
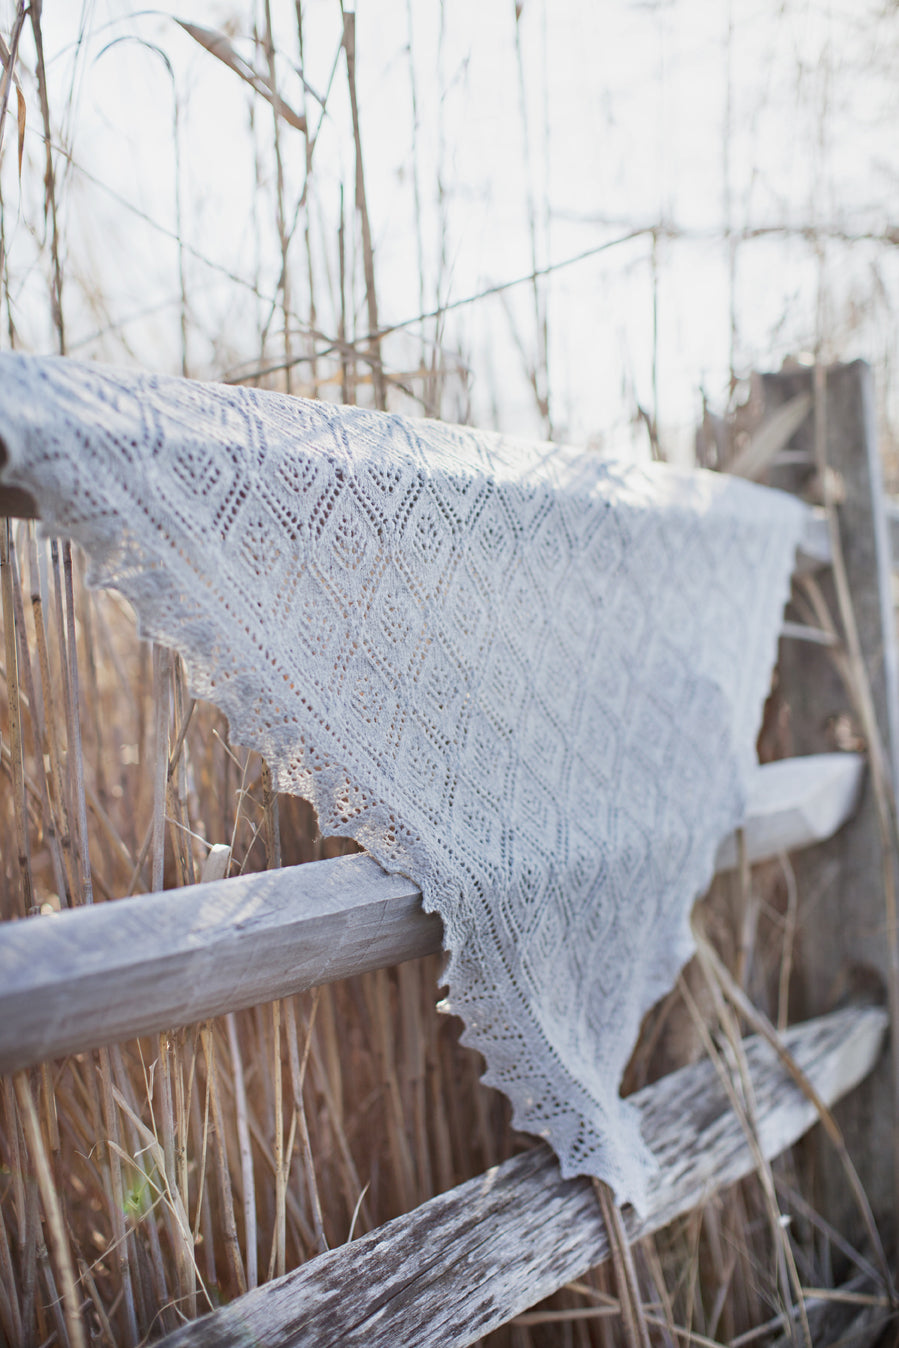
{"type": "Point", "coordinates": [470, 1259]}
{"type": "Point", "coordinates": [93, 975]}
{"type": "Point", "coordinates": [850, 932]}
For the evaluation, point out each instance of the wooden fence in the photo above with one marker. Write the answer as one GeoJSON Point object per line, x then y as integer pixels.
{"type": "Point", "coordinates": [470, 1259]}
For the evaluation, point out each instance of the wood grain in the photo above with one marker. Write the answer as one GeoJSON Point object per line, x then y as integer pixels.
{"type": "Point", "coordinates": [842, 924]}
{"type": "Point", "coordinates": [91, 976]}
{"type": "Point", "coordinates": [467, 1261]}
{"type": "Point", "coordinates": [94, 975]}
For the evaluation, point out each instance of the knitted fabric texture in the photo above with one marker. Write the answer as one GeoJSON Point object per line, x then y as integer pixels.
{"type": "Point", "coordinates": [524, 676]}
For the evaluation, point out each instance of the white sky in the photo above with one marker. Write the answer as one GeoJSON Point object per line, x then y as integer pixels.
{"type": "Point", "coordinates": [696, 115]}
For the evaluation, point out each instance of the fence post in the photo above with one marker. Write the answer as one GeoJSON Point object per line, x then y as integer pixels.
{"type": "Point", "coordinates": [844, 935]}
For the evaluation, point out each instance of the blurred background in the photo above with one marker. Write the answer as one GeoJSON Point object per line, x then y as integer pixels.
{"type": "Point", "coordinates": [561, 219]}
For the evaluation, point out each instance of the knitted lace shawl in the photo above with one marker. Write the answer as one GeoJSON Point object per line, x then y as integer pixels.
{"type": "Point", "coordinates": [525, 676]}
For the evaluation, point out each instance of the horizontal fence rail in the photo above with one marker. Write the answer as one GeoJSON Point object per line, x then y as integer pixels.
{"type": "Point", "coordinates": [95, 975]}
{"type": "Point", "coordinates": [467, 1261]}
{"type": "Point", "coordinates": [795, 803]}
{"type": "Point", "coordinates": [814, 549]}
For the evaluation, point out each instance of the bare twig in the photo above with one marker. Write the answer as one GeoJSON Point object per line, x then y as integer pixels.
{"type": "Point", "coordinates": [368, 257]}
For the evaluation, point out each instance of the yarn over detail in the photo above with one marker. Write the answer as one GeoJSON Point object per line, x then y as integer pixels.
{"type": "Point", "coordinates": [526, 677]}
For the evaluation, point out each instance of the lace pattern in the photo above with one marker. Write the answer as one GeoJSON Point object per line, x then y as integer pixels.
{"type": "Point", "coordinates": [526, 677]}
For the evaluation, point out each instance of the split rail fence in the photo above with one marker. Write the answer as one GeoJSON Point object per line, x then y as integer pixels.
{"type": "Point", "coordinates": [472, 1258]}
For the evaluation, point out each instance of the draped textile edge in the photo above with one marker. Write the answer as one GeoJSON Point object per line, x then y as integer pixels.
{"type": "Point", "coordinates": [170, 612]}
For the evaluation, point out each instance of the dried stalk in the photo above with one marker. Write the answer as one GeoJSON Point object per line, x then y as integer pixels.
{"type": "Point", "coordinates": [15, 716]}
{"type": "Point", "coordinates": [759, 1022]}
{"type": "Point", "coordinates": [116, 1195]}
{"type": "Point", "coordinates": [56, 768]}
{"type": "Point", "coordinates": [303, 205]}
{"type": "Point", "coordinates": [203, 1214]}
{"type": "Point", "coordinates": [347, 366]}
{"type": "Point", "coordinates": [297, 1079]}
{"type": "Point", "coordinates": [403, 1167]}
{"type": "Point", "coordinates": [74, 733]}
{"type": "Point", "coordinates": [10, 1316]}
{"type": "Point", "coordinates": [789, 937]}
{"type": "Point", "coordinates": [412, 1012]}
{"type": "Point", "coordinates": [368, 258]}
{"type": "Point", "coordinates": [271, 825]}
{"type": "Point", "coordinates": [107, 1337]}
{"type": "Point", "coordinates": [62, 1254]}
{"type": "Point", "coordinates": [175, 1207]}
{"type": "Point", "coordinates": [162, 664]}
{"type": "Point", "coordinates": [742, 1099]}
{"type": "Point", "coordinates": [39, 738]}
{"type": "Point", "coordinates": [283, 235]}
{"type": "Point", "coordinates": [10, 56]}
{"type": "Point", "coordinates": [630, 1301]}
{"type": "Point", "coordinates": [277, 1262]}
{"type": "Point", "coordinates": [538, 369]}
{"type": "Point", "coordinates": [35, 9]}
{"type": "Point", "coordinates": [248, 1185]}
{"type": "Point", "coordinates": [216, 1129]}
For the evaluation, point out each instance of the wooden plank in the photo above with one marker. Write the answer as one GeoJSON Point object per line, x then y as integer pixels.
{"type": "Point", "coordinates": [842, 926]}
{"type": "Point", "coordinates": [814, 549]}
{"type": "Point", "coordinates": [17, 504]}
{"type": "Point", "coordinates": [94, 975]}
{"type": "Point", "coordinates": [795, 803]}
{"type": "Point", "coordinates": [467, 1261]}
{"type": "Point", "coordinates": [803, 632]}
{"type": "Point", "coordinates": [14, 501]}
{"type": "Point", "coordinates": [767, 441]}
